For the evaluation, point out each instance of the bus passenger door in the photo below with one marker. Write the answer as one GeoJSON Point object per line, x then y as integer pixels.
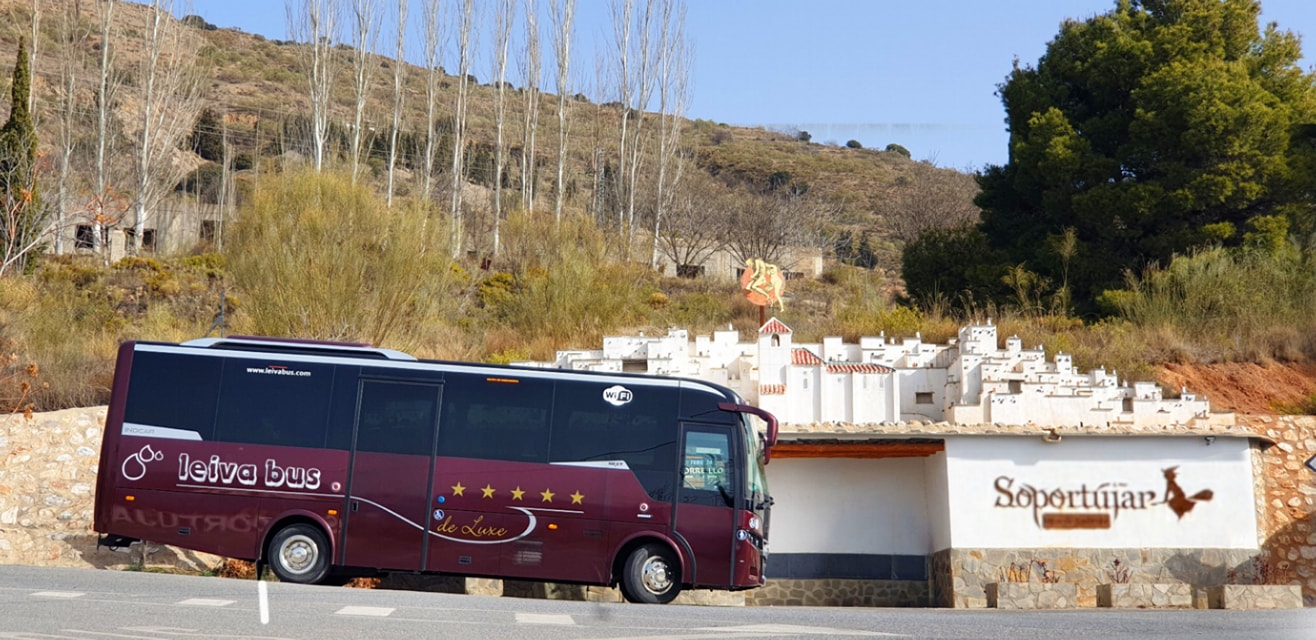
{"type": "Point", "coordinates": [392, 465]}
{"type": "Point", "coordinates": [705, 499]}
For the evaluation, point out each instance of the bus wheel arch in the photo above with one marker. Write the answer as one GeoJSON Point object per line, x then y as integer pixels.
{"type": "Point", "coordinates": [649, 571]}
{"type": "Point", "coordinates": [298, 550]}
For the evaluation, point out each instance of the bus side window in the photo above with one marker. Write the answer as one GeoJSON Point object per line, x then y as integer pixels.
{"type": "Point", "coordinates": [495, 418]}
{"type": "Point", "coordinates": [276, 402]}
{"type": "Point", "coordinates": [397, 417]}
{"type": "Point", "coordinates": [642, 432]}
{"type": "Point", "coordinates": [175, 391]}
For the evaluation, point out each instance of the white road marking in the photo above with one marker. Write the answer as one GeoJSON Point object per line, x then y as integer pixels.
{"type": "Point", "coordinates": [364, 611]}
{"type": "Point", "coordinates": [794, 629]}
{"type": "Point", "coordinates": [205, 602]}
{"type": "Point", "coordinates": [58, 594]}
{"type": "Point", "coordinates": [544, 618]}
{"type": "Point", "coordinates": [263, 594]}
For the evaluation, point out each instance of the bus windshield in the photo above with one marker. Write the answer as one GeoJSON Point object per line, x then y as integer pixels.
{"type": "Point", "coordinates": [756, 477]}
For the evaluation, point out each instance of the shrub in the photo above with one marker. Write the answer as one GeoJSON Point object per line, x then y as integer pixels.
{"type": "Point", "coordinates": [895, 148]}
{"type": "Point", "coordinates": [854, 144]}
{"type": "Point", "coordinates": [318, 257]}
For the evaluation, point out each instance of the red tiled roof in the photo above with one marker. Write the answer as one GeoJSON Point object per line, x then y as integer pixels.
{"type": "Point", "coordinates": [772, 389]}
{"type": "Point", "coordinates": [857, 367]}
{"type": "Point", "coordinates": [774, 326]}
{"type": "Point", "coordinates": [804, 356]}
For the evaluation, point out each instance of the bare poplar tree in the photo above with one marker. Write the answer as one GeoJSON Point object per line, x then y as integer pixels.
{"type": "Point", "coordinates": [564, 16]}
{"type": "Point", "coordinates": [315, 22]}
{"type": "Point", "coordinates": [635, 81]}
{"type": "Point", "coordinates": [169, 97]}
{"type": "Point", "coordinates": [621, 13]}
{"type": "Point", "coordinates": [502, 37]}
{"type": "Point", "coordinates": [530, 72]}
{"type": "Point", "coordinates": [465, 25]}
{"type": "Point", "coordinates": [399, 67]}
{"type": "Point", "coordinates": [673, 95]}
{"type": "Point", "coordinates": [225, 183]}
{"type": "Point", "coordinates": [72, 37]}
{"type": "Point", "coordinates": [431, 35]}
{"type": "Point", "coordinates": [100, 215]}
{"type": "Point", "coordinates": [35, 39]}
{"type": "Point", "coordinates": [366, 19]}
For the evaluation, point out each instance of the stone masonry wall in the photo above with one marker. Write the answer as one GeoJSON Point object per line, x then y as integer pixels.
{"type": "Point", "coordinates": [48, 476]}
{"type": "Point", "coordinates": [1288, 507]}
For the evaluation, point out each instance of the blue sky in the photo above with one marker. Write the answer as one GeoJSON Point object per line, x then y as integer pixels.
{"type": "Point", "coordinates": [920, 73]}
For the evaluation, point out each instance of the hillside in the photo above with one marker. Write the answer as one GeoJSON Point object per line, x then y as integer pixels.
{"type": "Point", "coordinates": [258, 88]}
{"type": "Point", "coordinates": [1246, 387]}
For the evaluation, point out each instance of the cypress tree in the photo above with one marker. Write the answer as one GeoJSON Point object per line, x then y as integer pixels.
{"type": "Point", "coordinates": [18, 154]}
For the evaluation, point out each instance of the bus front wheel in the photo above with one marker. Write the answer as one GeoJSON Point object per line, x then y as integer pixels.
{"type": "Point", "coordinates": [651, 575]}
{"type": "Point", "coordinates": [299, 553]}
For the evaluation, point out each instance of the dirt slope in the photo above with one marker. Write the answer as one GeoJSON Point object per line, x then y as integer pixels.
{"type": "Point", "coordinates": [1247, 388]}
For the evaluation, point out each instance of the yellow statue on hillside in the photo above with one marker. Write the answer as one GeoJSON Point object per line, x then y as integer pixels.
{"type": "Point", "coordinates": [763, 283]}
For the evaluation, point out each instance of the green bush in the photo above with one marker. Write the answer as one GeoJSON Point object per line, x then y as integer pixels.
{"type": "Point", "coordinates": [315, 256]}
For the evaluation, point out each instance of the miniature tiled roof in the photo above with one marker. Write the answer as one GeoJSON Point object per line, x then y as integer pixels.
{"type": "Point", "coordinates": [858, 367]}
{"type": "Point", "coordinates": [772, 389]}
{"type": "Point", "coordinates": [772, 326]}
{"type": "Point", "coordinates": [804, 356]}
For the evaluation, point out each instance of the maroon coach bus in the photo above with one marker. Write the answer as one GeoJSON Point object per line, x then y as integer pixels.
{"type": "Point", "coordinates": [326, 461]}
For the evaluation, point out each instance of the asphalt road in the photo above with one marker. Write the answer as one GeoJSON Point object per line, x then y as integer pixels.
{"type": "Point", "coordinates": [85, 604]}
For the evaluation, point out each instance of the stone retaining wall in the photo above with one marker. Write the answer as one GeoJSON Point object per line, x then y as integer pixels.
{"type": "Point", "coordinates": [970, 571]}
{"type": "Point", "coordinates": [48, 474]}
{"type": "Point", "coordinates": [840, 593]}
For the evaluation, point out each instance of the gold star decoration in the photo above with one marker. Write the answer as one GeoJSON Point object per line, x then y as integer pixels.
{"type": "Point", "coordinates": [488, 491]}
{"type": "Point", "coordinates": [457, 489]}
{"type": "Point", "coordinates": [517, 493]}
{"type": "Point", "coordinates": [548, 495]}
{"type": "Point", "coordinates": [577, 497]}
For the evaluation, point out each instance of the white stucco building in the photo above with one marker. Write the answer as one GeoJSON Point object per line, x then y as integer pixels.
{"type": "Point", "coordinates": [971, 380]}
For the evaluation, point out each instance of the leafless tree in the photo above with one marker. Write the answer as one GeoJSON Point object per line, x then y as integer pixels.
{"type": "Point", "coordinates": [503, 18]}
{"type": "Point", "coordinates": [465, 27]}
{"type": "Point", "coordinates": [564, 16]}
{"type": "Point", "coordinates": [169, 97]}
{"type": "Point", "coordinates": [366, 22]}
{"type": "Point", "coordinates": [72, 37]}
{"type": "Point", "coordinates": [673, 95]}
{"type": "Point", "coordinates": [103, 215]}
{"type": "Point", "coordinates": [769, 226]}
{"type": "Point", "coordinates": [699, 214]}
{"type": "Point", "coordinates": [622, 12]}
{"type": "Point", "coordinates": [925, 198]}
{"type": "Point", "coordinates": [315, 22]}
{"type": "Point", "coordinates": [431, 36]}
{"type": "Point", "coordinates": [399, 67]}
{"type": "Point", "coordinates": [634, 71]}
{"type": "Point", "coordinates": [35, 40]}
{"type": "Point", "coordinates": [530, 72]}
{"type": "Point", "coordinates": [225, 184]}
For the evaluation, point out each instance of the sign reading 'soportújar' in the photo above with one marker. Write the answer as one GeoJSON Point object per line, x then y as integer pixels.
{"type": "Point", "coordinates": [1010, 492]}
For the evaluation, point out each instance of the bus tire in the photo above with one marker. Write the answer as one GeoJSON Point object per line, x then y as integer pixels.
{"type": "Point", "coordinates": [299, 553]}
{"type": "Point", "coordinates": [651, 575]}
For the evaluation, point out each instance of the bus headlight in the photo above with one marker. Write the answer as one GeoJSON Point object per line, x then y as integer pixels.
{"type": "Point", "coordinates": [754, 523]}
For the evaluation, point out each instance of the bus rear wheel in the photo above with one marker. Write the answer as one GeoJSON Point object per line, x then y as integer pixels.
{"type": "Point", "coordinates": [651, 575]}
{"type": "Point", "coordinates": [299, 553]}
